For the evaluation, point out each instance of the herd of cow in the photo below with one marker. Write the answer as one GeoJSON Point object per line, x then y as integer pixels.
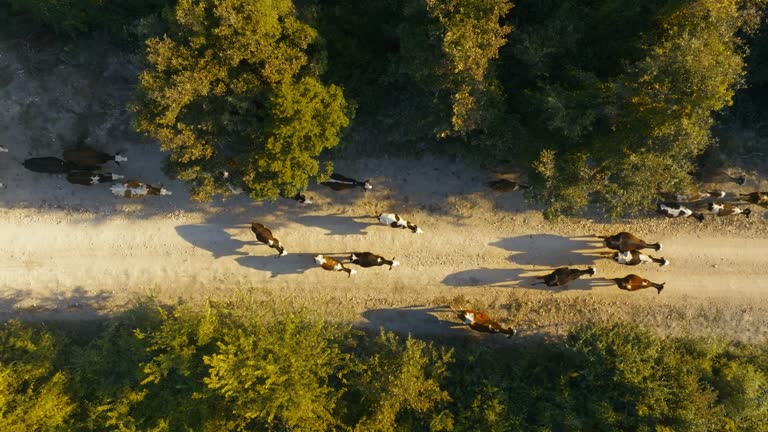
{"type": "Point", "coordinates": [82, 166]}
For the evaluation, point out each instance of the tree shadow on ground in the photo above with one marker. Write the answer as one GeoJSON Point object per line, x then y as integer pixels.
{"type": "Point", "coordinates": [552, 250]}
{"type": "Point", "coordinates": [289, 264]}
{"type": "Point", "coordinates": [214, 238]}
{"type": "Point", "coordinates": [77, 304]}
{"type": "Point", "coordinates": [337, 224]}
{"type": "Point", "coordinates": [505, 278]}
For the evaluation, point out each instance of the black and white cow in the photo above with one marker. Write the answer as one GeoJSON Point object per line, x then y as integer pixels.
{"type": "Point", "coordinates": [634, 257]}
{"type": "Point", "coordinates": [137, 189]}
{"type": "Point", "coordinates": [88, 178]}
{"type": "Point", "coordinates": [725, 209]}
{"type": "Point", "coordinates": [504, 185]}
{"type": "Point", "coordinates": [395, 221]}
{"type": "Point", "coordinates": [330, 264]}
{"type": "Point", "coordinates": [367, 259]}
{"type": "Point", "coordinates": [264, 235]}
{"type": "Point", "coordinates": [48, 165]}
{"type": "Point", "coordinates": [340, 182]}
{"type": "Point", "coordinates": [676, 210]}
{"type": "Point", "coordinates": [299, 197]}
{"type": "Point", "coordinates": [88, 158]}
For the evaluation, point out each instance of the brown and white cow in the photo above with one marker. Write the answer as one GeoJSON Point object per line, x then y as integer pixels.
{"type": "Point", "coordinates": [330, 264]}
{"type": "Point", "coordinates": [480, 321]}
{"type": "Point", "coordinates": [367, 259]}
{"type": "Point", "coordinates": [89, 178]}
{"type": "Point", "coordinates": [137, 189]}
{"type": "Point", "coordinates": [624, 242]}
{"type": "Point", "coordinates": [759, 198]}
{"type": "Point", "coordinates": [633, 282]}
{"type": "Point", "coordinates": [395, 221]}
{"type": "Point", "coordinates": [340, 182]}
{"type": "Point", "coordinates": [725, 209]}
{"type": "Point", "coordinates": [635, 257]}
{"type": "Point", "coordinates": [264, 235]}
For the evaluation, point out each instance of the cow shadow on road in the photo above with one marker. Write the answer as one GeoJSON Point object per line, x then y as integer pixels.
{"type": "Point", "coordinates": [514, 278]}
{"type": "Point", "coordinates": [290, 264]}
{"type": "Point", "coordinates": [436, 324]}
{"type": "Point", "coordinates": [337, 224]}
{"type": "Point", "coordinates": [214, 239]}
{"type": "Point", "coordinates": [507, 278]}
{"type": "Point", "coordinates": [279, 266]}
{"type": "Point", "coordinates": [552, 250]}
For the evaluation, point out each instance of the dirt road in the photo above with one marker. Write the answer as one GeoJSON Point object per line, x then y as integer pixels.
{"type": "Point", "coordinates": [71, 251]}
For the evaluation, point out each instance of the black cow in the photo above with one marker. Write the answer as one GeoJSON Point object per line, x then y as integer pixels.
{"type": "Point", "coordinates": [563, 276]}
{"type": "Point", "coordinates": [48, 165]}
{"type": "Point", "coordinates": [367, 259]}
{"type": "Point", "coordinates": [339, 182]}
{"type": "Point", "coordinates": [88, 158]}
{"type": "Point", "coordinates": [88, 178]}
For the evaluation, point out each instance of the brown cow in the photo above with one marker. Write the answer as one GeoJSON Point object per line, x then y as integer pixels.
{"type": "Point", "coordinates": [480, 321]}
{"type": "Point", "coordinates": [625, 242]}
{"type": "Point", "coordinates": [264, 235]}
{"type": "Point", "coordinates": [633, 282]}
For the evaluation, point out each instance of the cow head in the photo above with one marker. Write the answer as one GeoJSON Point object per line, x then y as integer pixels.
{"type": "Point", "coordinates": [319, 259]}
{"type": "Point", "coordinates": [164, 191]}
{"type": "Point", "coordinates": [366, 185]}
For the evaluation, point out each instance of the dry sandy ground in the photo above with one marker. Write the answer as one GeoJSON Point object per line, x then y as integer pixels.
{"type": "Point", "coordinates": [71, 251]}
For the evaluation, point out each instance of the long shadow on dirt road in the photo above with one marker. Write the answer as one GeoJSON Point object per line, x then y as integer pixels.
{"type": "Point", "coordinates": [337, 224]}
{"type": "Point", "coordinates": [552, 250]}
{"type": "Point", "coordinates": [514, 278]}
{"type": "Point", "coordinates": [78, 303]}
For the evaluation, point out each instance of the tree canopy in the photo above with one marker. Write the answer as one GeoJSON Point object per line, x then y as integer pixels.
{"type": "Point", "coordinates": [233, 87]}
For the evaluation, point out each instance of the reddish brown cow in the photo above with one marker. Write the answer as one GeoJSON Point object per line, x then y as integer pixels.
{"type": "Point", "coordinates": [480, 321]}
{"type": "Point", "coordinates": [330, 264]}
{"type": "Point", "coordinates": [264, 235]}
{"type": "Point", "coordinates": [633, 282]}
{"type": "Point", "coordinates": [625, 242]}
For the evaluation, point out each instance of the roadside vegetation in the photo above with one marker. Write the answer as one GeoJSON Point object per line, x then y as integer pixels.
{"type": "Point", "coordinates": [252, 366]}
{"type": "Point", "coordinates": [606, 104]}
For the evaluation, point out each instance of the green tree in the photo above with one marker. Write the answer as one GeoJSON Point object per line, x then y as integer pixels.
{"type": "Point", "coordinates": [616, 97]}
{"type": "Point", "coordinates": [280, 368]}
{"type": "Point", "coordinates": [448, 47]}
{"type": "Point", "coordinates": [401, 384]}
{"type": "Point", "coordinates": [33, 393]}
{"type": "Point", "coordinates": [233, 88]}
